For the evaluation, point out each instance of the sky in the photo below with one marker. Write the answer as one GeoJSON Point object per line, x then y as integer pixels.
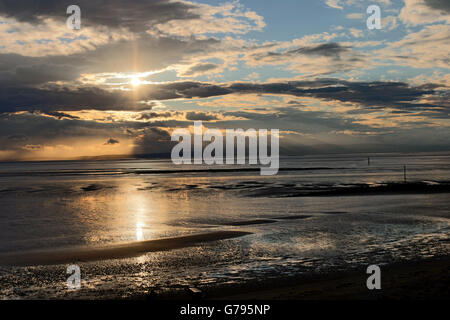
{"type": "Point", "coordinates": [136, 70]}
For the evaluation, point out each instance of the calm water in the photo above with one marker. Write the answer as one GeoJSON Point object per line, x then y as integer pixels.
{"type": "Point", "coordinates": [48, 205]}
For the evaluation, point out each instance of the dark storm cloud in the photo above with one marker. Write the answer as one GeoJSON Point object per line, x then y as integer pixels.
{"type": "Point", "coordinates": [200, 116]}
{"type": "Point", "coordinates": [152, 115]}
{"type": "Point", "coordinates": [200, 68]}
{"type": "Point", "coordinates": [376, 95]}
{"type": "Point", "coordinates": [111, 141]}
{"type": "Point", "coordinates": [21, 133]}
{"type": "Point", "coordinates": [17, 138]}
{"type": "Point", "coordinates": [63, 98]}
{"type": "Point", "coordinates": [332, 49]}
{"type": "Point", "coordinates": [17, 70]}
{"type": "Point", "coordinates": [136, 15]}
{"type": "Point", "coordinates": [443, 5]}
{"type": "Point", "coordinates": [327, 49]}
{"type": "Point", "coordinates": [42, 73]}
{"type": "Point", "coordinates": [186, 90]}
{"type": "Point", "coordinates": [153, 140]}
{"type": "Point", "coordinates": [371, 95]}
{"type": "Point", "coordinates": [286, 118]}
{"type": "Point", "coordinates": [19, 130]}
{"type": "Point", "coordinates": [306, 132]}
{"type": "Point", "coordinates": [61, 115]}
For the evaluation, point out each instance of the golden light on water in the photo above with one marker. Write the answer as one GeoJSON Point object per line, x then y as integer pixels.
{"type": "Point", "coordinates": [141, 213]}
{"type": "Point", "coordinates": [139, 233]}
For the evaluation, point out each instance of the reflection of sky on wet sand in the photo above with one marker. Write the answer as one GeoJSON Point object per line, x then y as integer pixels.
{"type": "Point", "coordinates": [139, 233]}
{"type": "Point", "coordinates": [58, 212]}
{"type": "Point", "coordinates": [123, 209]}
{"type": "Point", "coordinates": [130, 214]}
{"type": "Point", "coordinates": [137, 208]}
{"type": "Point", "coordinates": [120, 213]}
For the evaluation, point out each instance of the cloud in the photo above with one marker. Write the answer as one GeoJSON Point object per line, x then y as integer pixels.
{"type": "Point", "coordinates": [153, 115]}
{"type": "Point", "coordinates": [131, 14]}
{"type": "Point", "coordinates": [389, 23]}
{"type": "Point", "coordinates": [54, 98]}
{"type": "Point", "coordinates": [199, 69]}
{"type": "Point", "coordinates": [414, 49]}
{"type": "Point", "coordinates": [111, 141]}
{"type": "Point", "coordinates": [230, 17]}
{"type": "Point", "coordinates": [356, 16]}
{"type": "Point", "coordinates": [357, 33]}
{"type": "Point", "coordinates": [370, 94]}
{"type": "Point", "coordinates": [420, 12]}
{"type": "Point", "coordinates": [52, 37]}
{"type": "Point", "coordinates": [26, 71]}
{"type": "Point", "coordinates": [312, 59]}
{"type": "Point", "coordinates": [17, 137]}
{"type": "Point", "coordinates": [165, 17]}
{"type": "Point", "coordinates": [123, 36]}
{"type": "Point", "coordinates": [68, 92]}
{"type": "Point", "coordinates": [200, 116]}
{"type": "Point", "coordinates": [60, 115]}
{"type": "Point", "coordinates": [442, 5]}
{"type": "Point", "coordinates": [326, 49]}
{"type": "Point", "coordinates": [339, 124]}
{"type": "Point", "coordinates": [336, 4]}
{"type": "Point", "coordinates": [185, 90]}
{"type": "Point", "coordinates": [38, 136]}
{"type": "Point", "coordinates": [153, 140]}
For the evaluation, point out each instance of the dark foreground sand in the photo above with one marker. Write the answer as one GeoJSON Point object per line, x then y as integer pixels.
{"type": "Point", "coordinates": [423, 279]}
{"type": "Point", "coordinates": [426, 279]}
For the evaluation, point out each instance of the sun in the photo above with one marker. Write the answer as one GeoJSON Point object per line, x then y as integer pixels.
{"type": "Point", "coordinates": [135, 82]}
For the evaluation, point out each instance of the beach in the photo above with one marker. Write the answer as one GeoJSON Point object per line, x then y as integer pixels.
{"type": "Point", "coordinates": [141, 229]}
{"type": "Point", "coordinates": [417, 280]}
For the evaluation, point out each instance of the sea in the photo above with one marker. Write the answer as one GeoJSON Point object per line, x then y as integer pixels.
{"type": "Point", "coordinates": [319, 214]}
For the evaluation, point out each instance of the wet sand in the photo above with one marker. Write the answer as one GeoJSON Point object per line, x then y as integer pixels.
{"type": "Point", "coordinates": [426, 279]}
{"type": "Point", "coordinates": [120, 251]}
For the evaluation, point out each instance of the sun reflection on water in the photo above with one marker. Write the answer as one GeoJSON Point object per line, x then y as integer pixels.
{"type": "Point", "coordinates": [139, 233]}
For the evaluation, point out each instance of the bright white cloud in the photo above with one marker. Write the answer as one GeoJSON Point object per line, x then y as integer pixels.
{"type": "Point", "coordinates": [417, 12]}
{"type": "Point", "coordinates": [53, 38]}
{"type": "Point", "coordinates": [230, 17]}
